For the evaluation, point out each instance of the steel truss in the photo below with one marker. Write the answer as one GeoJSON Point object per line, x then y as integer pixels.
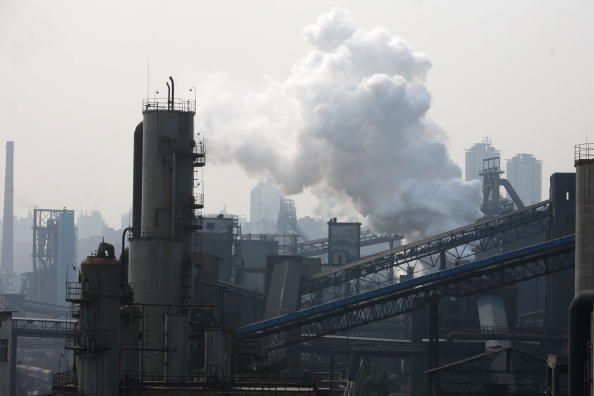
{"type": "Point", "coordinates": [483, 238]}
{"type": "Point", "coordinates": [486, 274]}
{"type": "Point", "coordinates": [317, 247]}
{"type": "Point", "coordinates": [37, 328]}
{"type": "Point", "coordinates": [43, 328]}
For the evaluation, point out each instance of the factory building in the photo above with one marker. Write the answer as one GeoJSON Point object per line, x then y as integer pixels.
{"type": "Point", "coordinates": [475, 156]}
{"type": "Point", "coordinates": [194, 307]}
{"type": "Point", "coordinates": [524, 172]}
{"type": "Point", "coordinates": [220, 239]}
{"type": "Point", "coordinates": [344, 242]}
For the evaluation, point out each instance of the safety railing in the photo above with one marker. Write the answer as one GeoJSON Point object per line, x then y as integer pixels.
{"type": "Point", "coordinates": [211, 382]}
{"type": "Point", "coordinates": [199, 155]}
{"type": "Point", "coordinates": [77, 292]}
{"type": "Point", "coordinates": [64, 378]}
{"type": "Point", "coordinates": [584, 152]}
{"type": "Point", "coordinates": [89, 341]}
{"type": "Point", "coordinates": [47, 325]}
{"type": "Point", "coordinates": [197, 201]}
{"type": "Point", "coordinates": [162, 104]}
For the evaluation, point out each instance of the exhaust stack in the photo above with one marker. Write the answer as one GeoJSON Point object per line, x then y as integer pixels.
{"type": "Point", "coordinates": [8, 218]}
{"type": "Point", "coordinates": [580, 311]}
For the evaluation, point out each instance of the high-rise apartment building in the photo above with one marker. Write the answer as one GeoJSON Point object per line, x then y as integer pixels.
{"type": "Point", "coordinates": [524, 172]}
{"type": "Point", "coordinates": [264, 207]}
{"type": "Point", "coordinates": [475, 156]}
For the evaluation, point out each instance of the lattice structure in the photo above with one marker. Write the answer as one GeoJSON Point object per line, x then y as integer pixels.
{"type": "Point", "coordinates": [287, 220]}
{"type": "Point", "coordinates": [54, 253]}
{"type": "Point", "coordinates": [476, 277]}
{"type": "Point", "coordinates": [483, 238]}
{"type": "Point", "coordinates": [317, 247]}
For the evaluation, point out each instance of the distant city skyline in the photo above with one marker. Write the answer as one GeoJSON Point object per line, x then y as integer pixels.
{"type": "Point", "coordinates": [491, 75]}
{"type": "Point", "coordinates": [475, 155]}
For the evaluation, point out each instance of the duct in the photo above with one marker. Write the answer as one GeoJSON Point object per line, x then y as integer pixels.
{"type": "Point", "coordinates": [172, 92]}
{"type": "Point", "coordinates": [512, 193]}
{"type": "Point", "coordinates": [137, 181]}
{"type": "Point", "coordinates": [503, 335]}
{"type": "Point", "coordinates": [580, 312]}
{"type": "Point", "coordinates": [168, 96]}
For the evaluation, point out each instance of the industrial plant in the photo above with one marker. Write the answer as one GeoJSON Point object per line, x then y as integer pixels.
{"type": "Point", "coordinates": [184, 302]}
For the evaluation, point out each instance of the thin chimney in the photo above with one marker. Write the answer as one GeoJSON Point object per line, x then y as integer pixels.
{"type": "Point", "coordinates": [8, 218]}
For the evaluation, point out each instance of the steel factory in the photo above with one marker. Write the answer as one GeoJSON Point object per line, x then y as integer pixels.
{"type": "Point", "coordinates": [184, 302]}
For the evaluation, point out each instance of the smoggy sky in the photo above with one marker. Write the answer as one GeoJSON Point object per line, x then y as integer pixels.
{"type": "Point", "coordinates": [73, 75]}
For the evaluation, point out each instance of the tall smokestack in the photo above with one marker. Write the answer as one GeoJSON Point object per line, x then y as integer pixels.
{"type": "Point", "coordinates": [580, 309]}
{"type": "Point", "coordinates": [8, 219]}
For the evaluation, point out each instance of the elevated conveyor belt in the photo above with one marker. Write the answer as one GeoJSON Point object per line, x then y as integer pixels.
{"type": "Point", "coordinates": [485, 236]}
{"type": "Point", "coordinates": [317, 247]}
{"type": "Point", "coordinates": [478, 276]}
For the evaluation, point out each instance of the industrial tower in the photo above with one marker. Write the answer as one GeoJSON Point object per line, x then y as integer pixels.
{"type": "Point", "coordinates": [8, 217]}
{"type": "Point", "coordinates": [162, 250]}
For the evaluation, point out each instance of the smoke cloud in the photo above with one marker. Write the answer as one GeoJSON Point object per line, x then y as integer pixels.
{"type": "Point", "coordinates": [350, 124]}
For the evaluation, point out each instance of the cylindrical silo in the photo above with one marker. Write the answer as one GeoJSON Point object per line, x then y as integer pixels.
{"type": "Point", "coordinates": [584, 218]}
{"type": "Point", "coordinates": [167, 173]}
{"type": "Point", "coordinates": [98, 337]}
{"type": "Point", "coordinates": [160, 255]}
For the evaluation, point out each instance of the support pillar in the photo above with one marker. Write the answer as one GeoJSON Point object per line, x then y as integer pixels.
{"type": "Point", "coordinates": [433, 358]}
{"type": "Point", "coordinates": [12, 367]}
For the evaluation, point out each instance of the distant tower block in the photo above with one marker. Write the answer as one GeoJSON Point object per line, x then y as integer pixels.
{"type": "Point", "coordinates": [8, 218]}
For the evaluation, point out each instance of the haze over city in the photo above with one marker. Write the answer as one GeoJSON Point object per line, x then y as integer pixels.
{"type": "Point", "coordinates": [73, 75]}
{"type": "Point", "coordinates": [305, 198]}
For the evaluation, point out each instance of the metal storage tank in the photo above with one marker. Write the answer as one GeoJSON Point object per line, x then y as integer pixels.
{"type": "Point", "coordinates": [129, 335]}
{"type": "Point", "coordinates": [98, 337]}
{"type": "Point", "coordinates": [160, 264]}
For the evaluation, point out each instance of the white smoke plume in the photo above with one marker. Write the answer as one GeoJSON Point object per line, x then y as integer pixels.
{"type": "Point", "coordinates": [349, 123]}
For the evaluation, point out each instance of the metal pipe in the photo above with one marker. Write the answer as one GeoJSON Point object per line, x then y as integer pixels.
{"type": "Point", "coordinates": [580, 311]}
{"type": "Point", "coordinates": [124, 239]}
{"type": "Point", "coordinates": [172, 93]}
{"type": "Point", "coordinates": [137, 181]}
{"type": "Point", "coordinates": [512, 193]}
{"type": "Point", "coordinates": [173, 187]}
{"type": "Point", "coordinates": [168, 96]}
{"type": "Point", "coordinates": [12, 365]}
{"type": "Point", "coordinates": [478, 336]}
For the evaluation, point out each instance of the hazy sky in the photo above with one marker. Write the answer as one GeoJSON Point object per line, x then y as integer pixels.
{"type": "Point", "coordinates": [73, 74]}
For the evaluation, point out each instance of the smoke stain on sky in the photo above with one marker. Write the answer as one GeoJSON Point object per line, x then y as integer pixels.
{"type": "Point", "coordinates": [73, 75]}
{"type": "Point", "coordinates": [350, 123]}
